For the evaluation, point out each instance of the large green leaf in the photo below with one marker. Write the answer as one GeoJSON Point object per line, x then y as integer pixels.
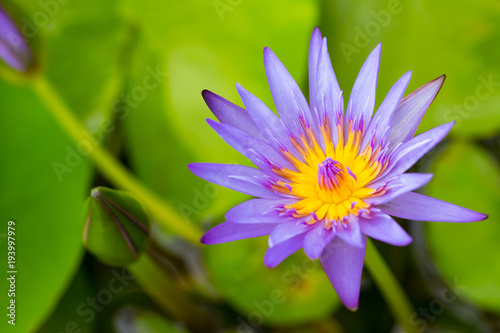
{"type": "Point", "coordinates": [468, 252]}
{"type": "Point", "coordinates": [46, 211]}
{"type": "Point", "coordinates": [295, 292]}
{"type": "Point", "coordinates": [431, 38]}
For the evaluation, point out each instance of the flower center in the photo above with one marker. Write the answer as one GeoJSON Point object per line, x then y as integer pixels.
{"type": "Point", "coordinates": [335, 181]}
{"type": "Point", "coordinates": [330, 179]}
{"type": "Point", "coordinates": [329, 192]}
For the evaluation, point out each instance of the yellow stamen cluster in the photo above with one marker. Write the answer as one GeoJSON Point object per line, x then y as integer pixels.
{"type": "Point", "coordinates": [331, 181]}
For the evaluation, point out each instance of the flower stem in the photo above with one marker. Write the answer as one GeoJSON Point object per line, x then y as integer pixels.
{"type": "Point", "coordinates": [112, 169]}
{"type": "Point", "coordinates": [390, 288]}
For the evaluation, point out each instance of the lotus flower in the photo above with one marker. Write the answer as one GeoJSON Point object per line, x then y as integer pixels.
{"type": "Point", "coordinates": [326, 178]}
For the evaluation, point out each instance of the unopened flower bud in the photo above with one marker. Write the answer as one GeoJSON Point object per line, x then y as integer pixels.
{"type": "Point", "coordinates": [116, 226]}
{"type": "Point", "coordinates": [14, 48]}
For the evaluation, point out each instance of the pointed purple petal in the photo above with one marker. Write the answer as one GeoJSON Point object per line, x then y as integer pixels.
{"type": "Point", "coordinates": [343, 264]}
{"type": "Point", "coordinates": [385, 229]}
{"type": "Point", "coordinates": [228, 232]}
{"type": "Point", "coordinates": [327, 81]}
{"type": "Point", "coordinates": [231, 114]}
{"type": "Point", "coordinates": [328, 99]}
{"type": "Point", "coordinates": [256, 150]}
{"type": "Point", "coordinates": [273, 129]}
{"type": "Point", "coordinates": [287, 95]}
{"type": "Point", "coordinates": [286, 231]}
{"type": "Point", "coordinates": [383, 116]}
{"type": "Point", "coordinates": [260, 211]}
{"type": "Point", "coordinates": [314, 51]}
{"type": "Point", "coordinates": [240, 178]}
{"type": "Point", "coordinates": [275, 255]}
{"type": "Point", "coordinates": [350, 232]}
{"type": "Point", "coordinates": [316, 240]}
{"type": "Point", "coordinates": [411, 151]}
{"type": "Point", "coordinates": [415, 206]}
{"type": "Point", "coordinates": [404, 183]}
{"type": "Point", "coordinates": [411, 110]}
{"type": "Point", "coordinates": [362, 98]}
{"type": "Point", "coordinates": [328, 90]}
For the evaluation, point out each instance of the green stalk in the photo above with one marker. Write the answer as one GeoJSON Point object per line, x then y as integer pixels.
{"type": "Point", "coordinates": [112, 169]}
{"type": "Point", "coordinates": [390, 288]}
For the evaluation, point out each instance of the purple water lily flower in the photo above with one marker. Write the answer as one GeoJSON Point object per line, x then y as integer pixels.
{"type": "Point", "coordinates": [325, 178]}
{"type": "Point", "coordinates": [14, 49]}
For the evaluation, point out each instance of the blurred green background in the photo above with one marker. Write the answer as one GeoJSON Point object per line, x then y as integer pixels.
{"type": "Point", "coordinates": [142, 65]}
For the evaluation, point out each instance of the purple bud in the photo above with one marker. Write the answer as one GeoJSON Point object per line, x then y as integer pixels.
{"type": "Point", "coordinates": [14, 48]}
